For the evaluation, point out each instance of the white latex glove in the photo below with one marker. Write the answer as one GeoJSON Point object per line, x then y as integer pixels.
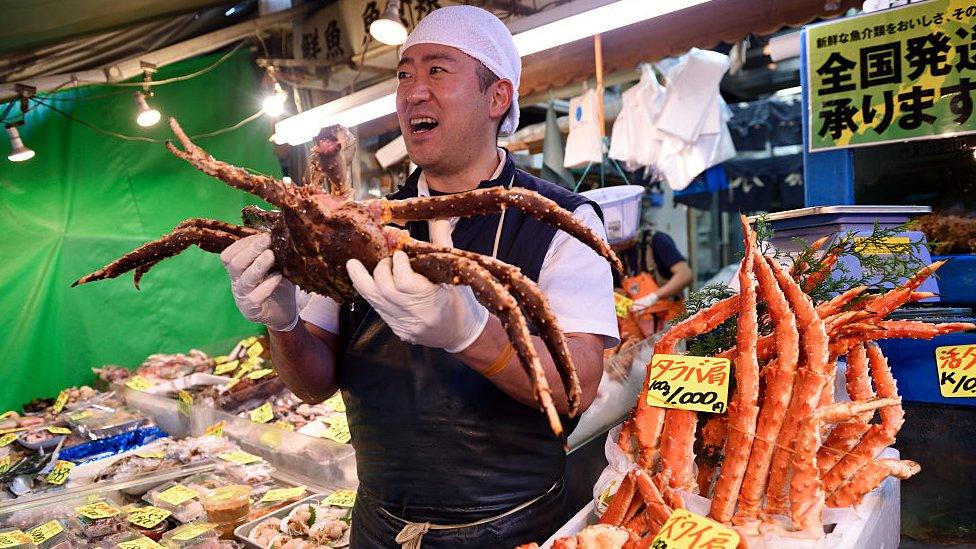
{"type": "Point", "coordinates": [644, 302]}
{"type": "Point", "coordinates": [417, 310]}
{"type": "Point", "coordinates": [262, 296]}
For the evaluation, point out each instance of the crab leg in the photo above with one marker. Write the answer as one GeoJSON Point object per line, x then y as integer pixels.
{"type": "Point", "coordinates": [494, 200]}
{"type": "Point", "coordinates": [826, 266]}
{"type": "Point", "coordinates": [186, 235]}
{"type": "Point", "coordinates": [743, 411]}
{"type": "Point", "coordinates": [534, 305]}
{"type": "Point", "coordinates": [839, 301]}
{"type": "Point", "coordinates": [846, 435]}
{"type": "Point", "coordinates": [617, 510]}
{"type": "Point", "coordinates": [265, 187]}
{"type": "Point", "coordinates": [879, 435]}
{"type": "Point", "coordinates": [450, 269]}
{"type": "Point", "coordinates": [883, 305]}
{"type": "Point", "coordinates": [870, 477]}
{"type": "Point", "coordinates": [806, 393]}
{"type": "Point", "coordinates": [713, 435]}
{"type": "Point", "coordinates": [657, 510]}
{"type": "Point", "coordinates": [779, 389]}
{"type": "Point", "coordinates": [798, 267]}
{"type": "Point", "coordinates": [893, 329]}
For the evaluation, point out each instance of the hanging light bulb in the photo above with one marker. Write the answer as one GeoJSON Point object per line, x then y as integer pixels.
{"type": "Point", "coordinates": [388, 29]}
{"type": "Point", "coordinates": [18, 152]}
{"type": "Point", "coordinates": [147, 116]}
{"type": "Point", "coordinates": [274, 104]}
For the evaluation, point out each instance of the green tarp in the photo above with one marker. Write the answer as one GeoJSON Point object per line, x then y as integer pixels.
{"type": "Point", "coordinates": [86, 199]}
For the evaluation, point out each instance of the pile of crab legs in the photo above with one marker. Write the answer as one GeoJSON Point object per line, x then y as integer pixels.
{"type": "Point", "coordinates": [789, 449]}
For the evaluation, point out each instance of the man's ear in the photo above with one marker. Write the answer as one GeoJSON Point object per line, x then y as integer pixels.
{"type": "Point", "coordinates": [501, 94]}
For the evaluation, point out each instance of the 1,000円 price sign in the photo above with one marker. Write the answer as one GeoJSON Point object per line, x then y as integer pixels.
{"type": "Point", "coordinates": [696, 383]}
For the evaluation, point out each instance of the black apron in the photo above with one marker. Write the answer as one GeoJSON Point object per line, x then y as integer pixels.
{"type": "Point", "coordinates": [437, 442]}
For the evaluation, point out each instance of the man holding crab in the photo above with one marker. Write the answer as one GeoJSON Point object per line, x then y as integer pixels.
{"type": "Point", "coordinates": [449, 448]}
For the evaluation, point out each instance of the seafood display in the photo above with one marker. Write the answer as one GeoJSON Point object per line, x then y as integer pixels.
{"type": "Point", "coordinates": [317, 231]}
{"type": "Point", "coordinates": [307, 526]}
{"type": "Point", "coordinates": [784, 450]}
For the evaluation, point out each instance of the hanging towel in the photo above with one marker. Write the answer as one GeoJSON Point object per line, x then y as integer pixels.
{"type": "Point", "coordinates": [584, 145]}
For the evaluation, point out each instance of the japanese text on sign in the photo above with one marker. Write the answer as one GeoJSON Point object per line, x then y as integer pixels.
{"type": "Point", "coordinates": [7, 439]}
{"type": "Point", "coordinates": [60, 402]}
{"type": "Point", "coordinates": [262, 414]}
{"type": "Point", "coordinates": [686, 530]}
{"type": "Point", "coordinates": [148, 517]}
{"type": "Point", "coordinates": [139, 383]}
{"type": "Point", "coordinates": [282, 494]}
{"type": "Point", "coordinates": [45, 532]}
{"type": "Point", "coordinates": [139, 543]}
{"type": "Point", "coordinates": [341, 498]}
{"type": "Point", "coordinates": [217, 429]}
{"type": "Point", "coordinates": [956, 367]}
{"type": "Point", "coordinates": [97, 510]}
{"type": "Point", "coordinates": [622, 304]}
{"type": "Point", "coordinates": [240, 457]}
{"type": "Point", "coordinates": [13, 539]}
{"type": "Point", "coordinates": [689, 383]}
{"type": "Point", "coordinates": [896, 74]}
{"type": "Point", "coordinates": [192, 530]}
{"type": "Point", "coordinates": [60, 473]}
{"type": "Point", "coordinates": [177, 495]}
{"type": "Point", "coordinates": [338, 429]}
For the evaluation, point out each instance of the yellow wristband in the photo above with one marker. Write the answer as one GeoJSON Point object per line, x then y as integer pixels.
{"type": "Point", "coordinates": [500, 363]}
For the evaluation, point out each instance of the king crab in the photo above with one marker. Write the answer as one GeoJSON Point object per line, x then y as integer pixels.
{"type": "Point", "coordinates": [316, 231]}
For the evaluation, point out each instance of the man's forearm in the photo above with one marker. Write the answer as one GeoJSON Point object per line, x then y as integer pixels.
{"type": "Point", "coordinates": [586, 350]}
{"type": "Point", "coordinates": [681, 278]}
{"type": "Point", "coordinates": [305, 360]}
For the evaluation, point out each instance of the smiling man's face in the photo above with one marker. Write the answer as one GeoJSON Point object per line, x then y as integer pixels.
{"type": "Point", "coordinates": [441, 106]}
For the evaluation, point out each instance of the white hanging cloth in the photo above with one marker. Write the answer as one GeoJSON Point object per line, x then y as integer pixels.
{"type": "Point", "coordinates": [635, 140]}
{"type": "Point", "coordinates": [584, 144]}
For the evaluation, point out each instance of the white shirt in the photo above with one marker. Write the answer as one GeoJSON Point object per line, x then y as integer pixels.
{"type": "Point", "coordinates": [567, 277]}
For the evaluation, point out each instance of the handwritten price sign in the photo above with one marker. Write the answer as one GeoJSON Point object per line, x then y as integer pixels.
{"type": "Point", "coordinates": [14, 538]}
{"type": "Point", "coordinates": [700, 384]}
{"type": "Point", "coordinates": [956, 365]}
{"type": "Point", "coordinates": [686, 530]}
{"type": "Point", "coordinates": [97, 510]}
{"type": "Point", "coordinates": [148, 517]}
{"type": "Point", "coordinates": [341, 498]}
{"type": "Point", "coordinates": [60, 472]}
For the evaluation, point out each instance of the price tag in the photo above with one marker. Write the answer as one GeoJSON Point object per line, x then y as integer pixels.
{"type": "Point", "coordinates": [186, 401]}
{"type": "Point", "coordinates": [59, 430]}
{"type": "Point", "coordinates": [887, 246]}
{"type": "Point", "coordinates": [7, 415]}
{"type": "Point", "coordinates": [226, 367]}
{"type": "Point", "coordinates": [258, 374]}
{"type": "Point", "coordinates": [246, 366]}
{"type": "Point", "coordinates": [60, 473]}
{"type": "Point", "coordinates": [240, 457]}
{"type": "Point", "coordinates": [686, 530]}
{"type": "Point", "coordinates": [60, 402]}
{"type": "Point", "coordinates": [280, 424]}
{"type": "Point", "coordinates": [255, 350]}
{"type": "Point", "coordinates": [13, 539]}
{"type": "Point", "coordinates": [693, 383]}
{"type": "Point", "coordinates": [217, 429]}
{"type": "Point", "coordinates": [192, 530]}
{"type": "Point", "coordinates": [4, 464]}
{"type": "Point", "coordinates": [956, 367]}
{"type": "Point", "coordinates": [78, 416]}
{"type": "Point", "coordinates": [282, 494]}
{"type": "Point", "coordinates": [151, 455]}
{"type": "Point", "coordinates": [140, 543]}
{"type": "Point", "coordinates": [622, 304]}
{"type": "Point", "coordinates": [148, 517]}
{"type": "Point", "coordinates": [606, 496]}
{"type": "Point", "coordinates": [7, 439]}
{"type": "Point", "coordinates": [138, 383]}
{"type": "Point", "coordinates": [44, 532]}
{"type": "Point", "coordinates": [221, 359]}
{"type": "Point", "coordinates": [177, 495]}
{"type": "Point", "coordinates": [247, 342]}
{"type": "Point", "coordinates": [335, 402]}
{"type": "Point", "coordinates": [262, 414]}
{"type": "Point", "coordinates": [12, 430]}
{"type": "Point", "coordinates": [97, 510]}
{"type": "Point", "coordinates": [338, 429]}
{"type": "Point", "coordinates": [341, 498]}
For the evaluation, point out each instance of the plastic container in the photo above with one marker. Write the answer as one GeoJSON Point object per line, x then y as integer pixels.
{"type": "Point", "coordinates": [103, 423]}
{"type": "Point", "coordinates": [227, 503]}
{"type": "Point", "coordinates": [621, 207]}
{"type": "Point", "coordinates": [173, 497]}
{"type": "Point", "coordinates": [200, 535]}
{"type": "Point", "coordinates": [53, 534]}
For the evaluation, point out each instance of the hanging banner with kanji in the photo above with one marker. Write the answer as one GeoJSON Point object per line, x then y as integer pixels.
{"type": "Point", "coordinates": [899, 74]}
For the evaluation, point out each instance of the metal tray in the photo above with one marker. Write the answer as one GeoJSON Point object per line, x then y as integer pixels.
{"type": "Point", "coordinates": [243, 531]}
{"type": "Point", "coordinates": [834, 210]}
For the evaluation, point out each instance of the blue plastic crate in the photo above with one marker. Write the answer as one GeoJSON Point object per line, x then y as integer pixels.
{"type": "Point", "coordinates": [957, 279]}
{"type": "Point", "coordinates": [912, 362]}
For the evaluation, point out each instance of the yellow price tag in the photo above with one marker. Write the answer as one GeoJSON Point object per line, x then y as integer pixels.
{"type": "Point", "coordinates": [956, 366]}
{"type": "Point", "coordinates": [282, 494]}
{"type": "Point", "coordinates": [221, 359]}
{"type": "Point", "coordinates": [622, 304]}
{"type": "Point", "coordinates": [186, 401]}
{"type": "Point", "coordinates": [240, 457]}
{"type": "Point", "coordinates": [148, 517]}
{"type": "Point", "coordinates": [59, 430]}
{"type": "Point", "coordinates": [255, 350]}
{"type": "Point", "coordinates": [12, 430]}
{"type": "Point", "coordinates": [13, 539]}
{"type": "Point", "coordinates": [60, 473]}
{"type": "Point", "coordinates": [44, 532]}
{"type": "Point", "coordinates": [262, 414]}
{"type": "Point", "coordinates": [177, 495]}
{"type": "Point", "coordinates": [4, 464]}
{"type": "Point", "coordinates": [246, 366]}
{"type": "Point", "coordinates": [7, 439]}
{"type": "Point", "coordinates": [686, 530]}
{"type": "Point", "coordinates": [157, 454]}
{"type": "Point", "coordinates": [60, 402]}
{"type": "Point", "coordinates": [78, 416]}
{"type": "Point", "coordinates": [338, 429]}
{"type": "Point", "coordinates": [138, 383]}
{"type": "Point", "coordinates": [7, 415]}
{"type": "Point", "coordinates": [217, 429]}
{"type": "Point", "coordinates": [140, 543]}
{"type": "Point", "coordinates": [97, 510]}
{"type": "Point", "coordinates": [341, 498]}
{"type": "Point", "coordinates": [284, 425]}
{"type": "Point", "coordinates": [225, 367]}
{"type": "Point", "coordinates": [887, 246]}
{"type": "Point", "coordinates": [689, 383]}
{"type": "Point", "coordinates": [192, 530]}
{"type": "Point", "coordinates": [335, 402]}
{"type": "Point", "coordinates": [258, 374]}
{"type": "Point", "coordinates": [248, 341]}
